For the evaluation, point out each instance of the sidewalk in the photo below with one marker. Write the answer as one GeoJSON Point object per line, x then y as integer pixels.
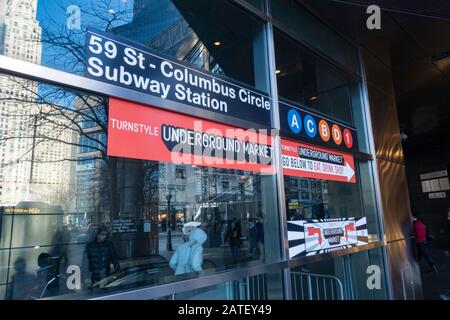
{"type": "Point", "coordinates": [435, 284]}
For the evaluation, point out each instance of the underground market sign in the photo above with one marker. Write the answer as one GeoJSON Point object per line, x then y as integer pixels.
{"type": "Point", "coordinates": [308, 161]}
{"type": "Point", "coordinates": [311, 237]}
{"type": "Point", "coordinates": [148, 133]}
{"type": "Point", "coordinates": [118, 61]}
{"type": "Point", "coordinates": [300, 124]}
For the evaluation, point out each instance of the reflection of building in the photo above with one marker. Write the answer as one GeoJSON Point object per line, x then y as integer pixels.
{"type": "Point", "coordinates": [91, 188]}
{"type": "Point", "coordinates": [159, 25]}
{"type": "Point", "coordinates": [35, 140]}
{"type": "Point", "coordinates": [20, 33]}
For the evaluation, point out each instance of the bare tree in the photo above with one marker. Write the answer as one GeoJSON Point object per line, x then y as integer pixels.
{"type": "Point", "coordinates": [45, 116]}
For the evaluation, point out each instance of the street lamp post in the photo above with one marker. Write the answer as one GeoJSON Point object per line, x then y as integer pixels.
{"type": "Point", "coordinates": [168, 216]}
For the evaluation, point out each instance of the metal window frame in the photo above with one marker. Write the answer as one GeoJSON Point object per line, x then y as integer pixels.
{"type": "Point", "coordinates": [375, 173]}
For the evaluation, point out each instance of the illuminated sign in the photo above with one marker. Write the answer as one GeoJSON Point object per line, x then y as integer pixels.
{"type": "Point", "coordinates": [141, 132]}
{"type": "Point", "coordinates": [14, 210]}
{"type": "Point", "coordinates": [311, 237]}
{"type": "Point", "coordinates": [307, 161]}
{"type": "Point", "coordinates": [303, 125]}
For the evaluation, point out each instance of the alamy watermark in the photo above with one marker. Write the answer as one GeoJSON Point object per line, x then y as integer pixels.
{"type": "Point", "coordinates": [374, 20]}
{"type": "Point", "coordinates": [74, 17]}
{"type": "Point", "coordinates": [374, 280]}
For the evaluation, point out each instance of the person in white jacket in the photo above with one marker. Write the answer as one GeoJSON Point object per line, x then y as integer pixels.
{"type": "Point", "coordinates": [189, 256]}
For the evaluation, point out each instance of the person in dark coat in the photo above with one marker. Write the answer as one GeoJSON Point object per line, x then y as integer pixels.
{"type": "Point", "coordinates": [100, 254]}
{"type": "Point", "coordinates": [260, 236]}
{"type": "Point", "coordinates": [233, 237]}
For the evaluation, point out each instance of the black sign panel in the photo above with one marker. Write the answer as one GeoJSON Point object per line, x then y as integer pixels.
{"type": "Point", "coordinates": [118, 61]}
{"type": "Point", "coordinates": [303, 125]}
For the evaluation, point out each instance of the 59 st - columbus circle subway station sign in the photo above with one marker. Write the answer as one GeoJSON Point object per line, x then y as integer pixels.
{"type": "Point", "coordinates": [121, 62]}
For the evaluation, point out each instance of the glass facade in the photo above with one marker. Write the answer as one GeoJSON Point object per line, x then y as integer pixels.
{"type": "Point", "coordinates": [78, 222]}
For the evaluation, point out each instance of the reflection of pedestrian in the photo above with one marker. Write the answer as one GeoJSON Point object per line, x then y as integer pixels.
{"type": "Point", "coordinates": [233, 237]}
{"type": "Point", "coordinates": [22, 282]}
{"type": "Point", "coordinates": [189, 256]}
{"type": "Point", "coordinates": [47, 283]}
{"type": "Point", "coordinates": [252, 237]}
{"type": "Point", "coordinates": [260, 237]}
{"type": "Point", "coordinates": [420, 231]}
{"type": "Point", "coordinates": [61, 240]}
{"type": "Point", "coordinates": [101, 254]}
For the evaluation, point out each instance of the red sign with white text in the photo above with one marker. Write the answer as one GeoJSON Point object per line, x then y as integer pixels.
{"type": "Point", "coordinates": [308, 161]}
{"type": "Point", "coordinates": [142, 132]}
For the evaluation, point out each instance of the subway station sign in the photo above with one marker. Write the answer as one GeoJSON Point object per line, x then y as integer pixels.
{"type": "Point", "coordinates": [309, 161]}
{"type": "Point", "coordinates": [118, 61]}
{"type": "Point", "coordinates": [303, 125]}
{"type": "Point", "coordinates": [142, 132]}
{"type": "Point", "coordinates": [318, 236]}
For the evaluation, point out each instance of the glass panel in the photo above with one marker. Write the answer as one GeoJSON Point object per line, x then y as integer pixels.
{"type": "Point", "coordinates": [212, 35]}
{"type": "Point", "coordinates": [2, 291]}
{"type": "Point", "coordinates": [342, 278]}
{"type": "Point", "coordinates": [368, 276]}
{"type": "Point", "coordinates": [319, 281]}
{"type": "Point", "coordinates": [310, 82]}
{"type": "Point", "coordinates": [323, 199]}
{"type": "Point", "coordinates": [260, 4]}
{"type": "Point", "coordinates": [66, 204]}
{"type": "Point", "coordinates": [308, 28]}
{"type": "Point", "coordinates": [359, 117]}
{"type": "Point", "coordinates": [260, 287]}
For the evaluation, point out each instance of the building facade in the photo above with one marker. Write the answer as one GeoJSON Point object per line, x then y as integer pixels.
{"type": "Point", "coordinates": [250, 120]}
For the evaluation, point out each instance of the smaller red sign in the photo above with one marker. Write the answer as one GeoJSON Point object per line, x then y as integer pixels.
{"type": "Point", "coordinates": [308, 161]}
{"type": "Point", "coordinates": [143, 132]}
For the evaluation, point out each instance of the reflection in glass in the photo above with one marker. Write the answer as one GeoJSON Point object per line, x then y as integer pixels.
{"type": "Point", "coordinates": [60, 191]}
{"type": "Point", "coordinates": [310, 82]}
{"type": "Point", "coordinates": [215, 36]}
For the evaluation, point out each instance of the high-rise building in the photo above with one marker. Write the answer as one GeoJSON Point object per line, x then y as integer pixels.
{"type": "Point", "coordinates": [34, 141]}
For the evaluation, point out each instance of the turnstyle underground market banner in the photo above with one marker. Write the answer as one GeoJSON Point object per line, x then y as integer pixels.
{"type": "Point", "coordinates": [308, 161]}
{"type": "Point", "coordinates": [142, 132]}
{"type": "Point", "coordinates": [311, 237]}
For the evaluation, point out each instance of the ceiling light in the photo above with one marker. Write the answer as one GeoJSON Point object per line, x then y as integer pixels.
{"type": "Point", "coordinates": [312, 98]}
{"type": "Point", "coordinates": [277, 71]}
{"type": "Point", "coordinates": [217, 43]}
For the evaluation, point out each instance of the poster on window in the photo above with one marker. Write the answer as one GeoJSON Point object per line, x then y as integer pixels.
{"type": "Point", "coordinates": [310, 161]}
{"type": "Point", "coordinates": [311, 237]}
{"type": "Point", "coordinates": [143, 132]}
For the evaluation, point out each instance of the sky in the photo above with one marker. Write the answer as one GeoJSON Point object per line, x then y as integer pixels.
{"type": "Point", "coordinates": [52, 15]}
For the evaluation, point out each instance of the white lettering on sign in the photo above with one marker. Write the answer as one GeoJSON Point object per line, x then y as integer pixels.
{"type": "Point", "coordinates": [113, 60]}
{"type": "Point", "coordinates": [295, 163]}
{"type": "Point", "coordinates": [134, 127]}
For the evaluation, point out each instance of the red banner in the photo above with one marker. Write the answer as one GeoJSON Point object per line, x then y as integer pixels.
{"type": "Point", "coordinates": [308, 161]}
{"type": "Point", "coordinates": [148, 133]}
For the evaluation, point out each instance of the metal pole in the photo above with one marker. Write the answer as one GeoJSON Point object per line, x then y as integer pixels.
{"type": "Point", "coordinates": [169, 232]}
{"type": "Point", "coordinates": [277, 154]}
{"type": "Point", "coordinates": [309, 288]}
